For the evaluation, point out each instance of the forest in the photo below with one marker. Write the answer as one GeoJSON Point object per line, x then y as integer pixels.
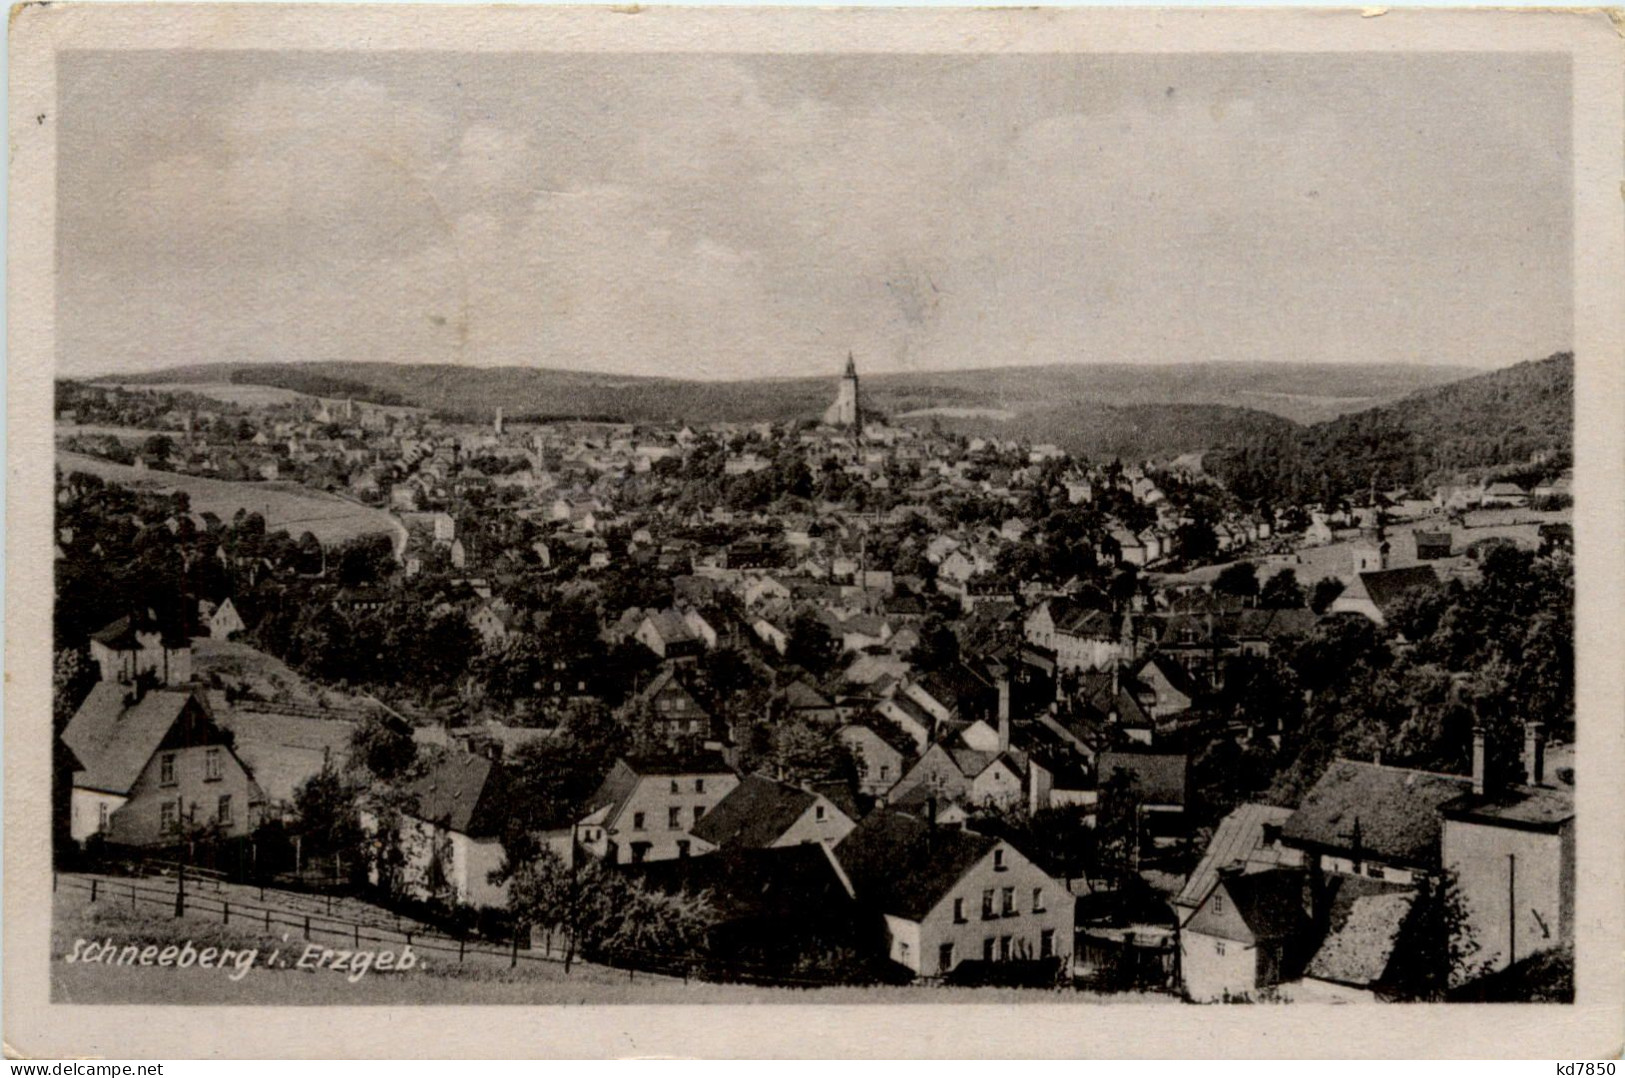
{"type": "Point", "coordinates": [1515, 424]}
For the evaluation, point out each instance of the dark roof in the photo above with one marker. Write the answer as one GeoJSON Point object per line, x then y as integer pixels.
{"type": "Point", "coordinates": [903, 866]}
{"type": "Point", "coordinates": [1396, 808]}
{"type": "Point", "coordinates": [885, 729]}
{"type": "Point", "coordinates": [698, 763]}
{"type": "Point", "coordinates": [800, 695]}
{"type": "Point", "coordinates": [1364, 925]}
{"type": "Point", "coordinates": [1158, 778]}
{"type": "Point", "coordinates": [114, 735]}
{"type": "Point", "coordinates": [462, 792]}
{"type": "Point", "coordinates": [755, 813]}
{"type": "Point", "coordinates": [798, 882]}
{"type": "Point", "coordinates": [1524, 808]}
{"type": "Point", "coordinates": [1270, 902]}
{"type": "Point", "coordinates": [1236, 841]}
{"type": "Point", "coordinates": [1388, 585]}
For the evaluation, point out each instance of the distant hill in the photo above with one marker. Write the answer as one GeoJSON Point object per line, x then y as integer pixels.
{"type": "Point", "coordinates": [1097, 410]}
{"type": "Point", "coordinates": [1496, 422]}
{"type": "Point", "coordinates": [1300, 392]}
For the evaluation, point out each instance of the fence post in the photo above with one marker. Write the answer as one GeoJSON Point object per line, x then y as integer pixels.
{"type": "Point", "coordinates": [330, 903]}
{"type": "Point", "coordinates": [307, 926]}
{"type": "Point", "coordinates": [267, 919]}
{"type": "Point", "coordinates": [461, 944]}
{"type": "Point", "coordinates": [514, 960]}
{"type": "Point", "coordinates": [409, 937]}
{"type": "Point", "coordinates": [225, 910]}
{"type": "Point", "coordinates": [132, 896]}
{"type": "Point", "coordinates": [93, 882]}
{"type": "Point", "coordinates": [357, 927]}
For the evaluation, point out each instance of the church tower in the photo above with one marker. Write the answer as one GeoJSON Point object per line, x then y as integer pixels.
{"type": "Point", "coordinates": [846, 411]}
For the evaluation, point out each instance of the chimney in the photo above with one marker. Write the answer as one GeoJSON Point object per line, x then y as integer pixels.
{"type": "Point", "coordinates": [1004, 711]}
{"type": "Point", "coordinates": [1478, 759]}
{"type": "Point", "coordinates": [1534, 752]}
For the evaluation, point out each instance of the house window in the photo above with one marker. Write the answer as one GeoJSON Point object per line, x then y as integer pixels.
{"type": "Point", "coordinates": [998, 860]}
{"type": "Point", "coordinates": [902, 952]}
{"type": "Point", "coordinates": [211, 765]}
{"type": "Point", "coordinates": [222, 811]}
{"type": "Point", "coordinates": [699, 786]}
{"type": "Point", "coordinates": [1046, 943]}
{"type": "Point", "coordinates": [1038, 900]}
{"type": "Point", "coordinates": [637, 821]}
{"type": "Point", "coordinates": [945, 958]}
{"type": "Point", "coordinates": [1218, 948]}
{"type": "Point", "coordinates": [166, 769]}
{"type": "Point", "coordinates": [169, 816]}
{"type": "Point", "coordinates": [1004, 948]}
{"type": "Point", "coordinates": [1008, 902]}
{"type": "Point", "coordinates": [682, 847]}
{"type": "Point", "coordinates": [674, 786]}
{"type": "Point", "coordinates": [987, 949]}
{"type": "Point", "coordinates": [959, 911]}
{"type": "Point", "coordinates": [987, 904]}
{"type": "Point", "coordinates": [699, 810]}
{"type": "Point", "coordinates": [1218, 901]}
{"type": "Point", "coordinates": [673, 823]}
{"type": "Point", "coordinates": [101, 816]}
{"type": "Point", "coordinates": [818, 813]}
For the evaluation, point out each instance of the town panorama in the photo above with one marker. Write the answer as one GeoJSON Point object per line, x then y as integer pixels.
{"type": "Point", "coordinates": [357, 696]}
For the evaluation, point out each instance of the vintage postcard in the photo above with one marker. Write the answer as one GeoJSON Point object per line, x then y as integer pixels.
{"type": "Point", "coordinates": [790, 532]}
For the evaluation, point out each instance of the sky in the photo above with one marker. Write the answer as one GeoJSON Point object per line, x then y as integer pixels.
{"type": "Point", "coordinates": [727, 216]}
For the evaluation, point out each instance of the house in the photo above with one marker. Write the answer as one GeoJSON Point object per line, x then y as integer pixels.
{"type": "Point", "coordinates": [803, 701]}
{"type": "Point", "coordinates": [451, 836]}
{"type": "Point", "coordinates": [1503, 494]}
{"type": "Point", "coordinates": [770, 634]}
{"type": "Point", "coordinates": [1376, 594]}
{"type": "Point", "coordinates": [677, 717]}
{"type": "Point", "coordinates": [1246, 936]}
{"type": "Point", "coordinates": [963, 775]}
{"type": "Point", "coordinates": [1158, 781]}
{"type": "Point", "coordinates": [1511, 851]}
{"type": "Point", "coordinates": [665, 633]}
{"type": "Point", "coordinates": [1373, 820]}
{"type": "Point", "coordinates": [494, 621]}
{"type": "Point", "coordinates": [225, 622]}
{"type": "Point", "coordinates": [283, 745]}
{"type": "Point", "coordinates": [1249, 839]}
{"type": "Point", "coordinates": [155, 765]}
{"type": "Point", "coordinates": [774, 910]}
{"type": "Point", "coordinates": [881, 750]}
{"type": "Point", "coordinates": [1355, 959]}
{"type": "Point", "coordinates": [1431, 546]}
{"type": "Point", "coordinates": [646, 805]}
{"type": "Point", "coordinates": [138, 644]}
{"type": "Point", "coordinates": [945, 895]}
{"type": "Point", "coordinates": [761, 812]}
{"type": "Point", "coordinates": [1082, 638]}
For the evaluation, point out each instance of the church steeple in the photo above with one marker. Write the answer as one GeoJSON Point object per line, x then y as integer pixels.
{"type": "Point", "coordinates": [846, 411]}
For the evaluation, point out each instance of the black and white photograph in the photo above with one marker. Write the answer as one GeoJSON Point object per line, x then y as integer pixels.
{"type": "Point", "coordinates": [730, 525]}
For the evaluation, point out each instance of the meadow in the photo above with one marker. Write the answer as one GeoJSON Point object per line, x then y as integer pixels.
{"type": "Point", "coordinates": [285, 506]}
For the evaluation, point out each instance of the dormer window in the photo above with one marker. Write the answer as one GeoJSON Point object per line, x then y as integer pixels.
{"type": "Point", "coordinates": [998, 860]}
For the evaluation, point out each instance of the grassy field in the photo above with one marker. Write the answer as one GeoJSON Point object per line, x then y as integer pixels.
{"type": "Point", "coordinates": [437, 979]}
{"type": "Point", "coordinates": [285, 506]}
